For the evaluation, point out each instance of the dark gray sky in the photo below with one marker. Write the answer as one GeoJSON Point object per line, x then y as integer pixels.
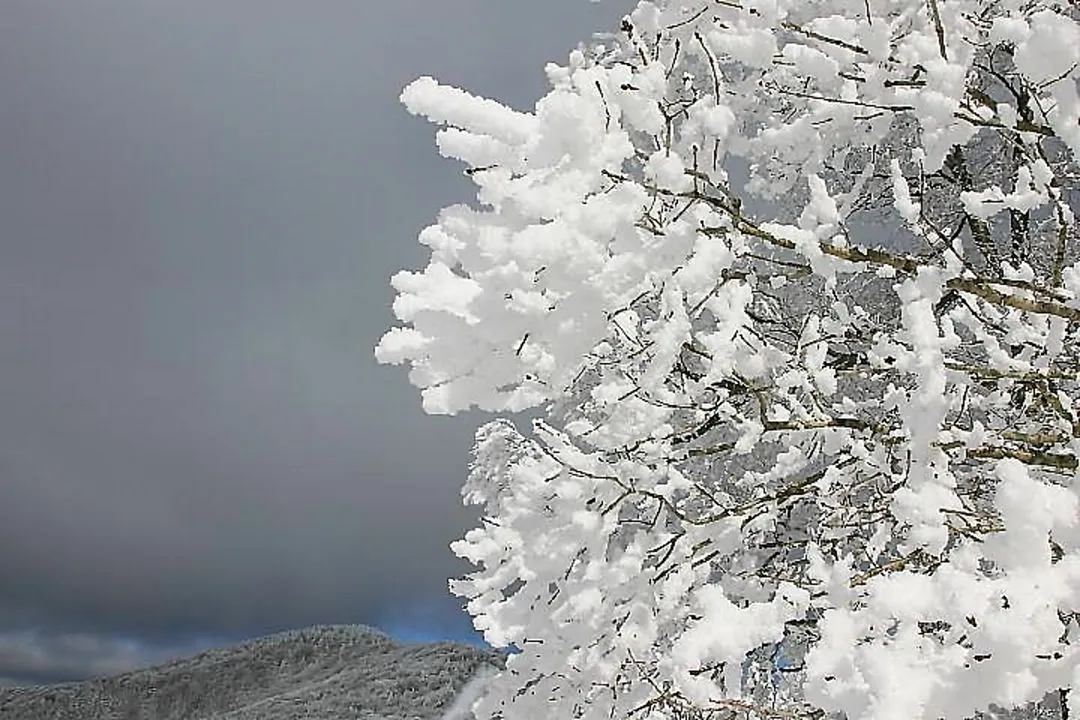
{"type": "Point", "coordinates": [201, 203]}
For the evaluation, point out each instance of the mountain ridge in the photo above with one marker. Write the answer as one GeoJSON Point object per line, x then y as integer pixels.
{"type": "Point", "coordinates": [329, 672]}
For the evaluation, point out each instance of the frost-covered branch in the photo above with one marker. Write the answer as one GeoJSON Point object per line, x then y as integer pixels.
{"type": "Point", "coordinates": [796, 285]}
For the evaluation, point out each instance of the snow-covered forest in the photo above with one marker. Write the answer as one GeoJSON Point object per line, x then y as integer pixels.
{"type": "Point", "coordinates": [793, 286]}
{"type": "Point", "coordinates": [328, 672]}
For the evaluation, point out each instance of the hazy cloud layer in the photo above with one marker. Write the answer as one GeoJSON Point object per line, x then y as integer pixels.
{"type": "Point", "coordinates": [31, 656]}
{"type": "Point", "coordinates": [200, 206]}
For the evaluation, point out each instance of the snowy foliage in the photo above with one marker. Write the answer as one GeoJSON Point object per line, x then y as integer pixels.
{"type": "Point", "coordinates": [796, 285]}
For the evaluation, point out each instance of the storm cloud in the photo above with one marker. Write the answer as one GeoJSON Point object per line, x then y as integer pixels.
{"type": "Point", "coordinates": [200, 206]}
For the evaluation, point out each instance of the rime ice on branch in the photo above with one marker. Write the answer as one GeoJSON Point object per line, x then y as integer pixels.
{"type": "Point", "coordinates": [796, 284]}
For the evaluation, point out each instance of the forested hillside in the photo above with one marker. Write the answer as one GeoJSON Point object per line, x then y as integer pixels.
{"type": "Point", "coordinates": [326, 672]}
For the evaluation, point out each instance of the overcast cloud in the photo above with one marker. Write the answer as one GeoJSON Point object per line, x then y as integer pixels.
{"type": "Point", "coordinates": [201, 203]}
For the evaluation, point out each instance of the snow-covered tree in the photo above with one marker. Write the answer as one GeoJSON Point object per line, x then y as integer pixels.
{"type": "Point", "coordinates": [795, 286]}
